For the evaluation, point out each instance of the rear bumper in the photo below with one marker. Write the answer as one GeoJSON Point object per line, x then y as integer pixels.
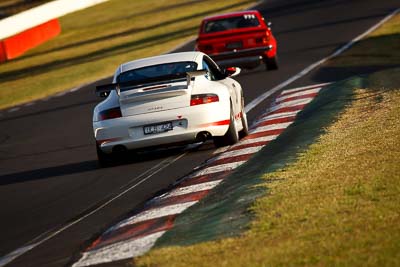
{"type": "Point", "coordinates": [241, 57]}
{"type": "Point", "coordinates": [187, 123]}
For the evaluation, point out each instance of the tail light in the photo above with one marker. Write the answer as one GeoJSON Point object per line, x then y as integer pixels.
{"type": "Point", "coordinates": [266, 39]}
{"type": "Point", "coordinates": [111, 113]}
{"type": "Point", "coordinates": [203, 99]}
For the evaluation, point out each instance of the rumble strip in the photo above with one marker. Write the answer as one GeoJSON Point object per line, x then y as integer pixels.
{"type": "Point", "coordinates": [137, 234]}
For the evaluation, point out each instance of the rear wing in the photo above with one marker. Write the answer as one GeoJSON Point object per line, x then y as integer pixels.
{"type": "Point", "coordinates": [104, 90]}
{"type": "Point", "coordinates": [191, 75]}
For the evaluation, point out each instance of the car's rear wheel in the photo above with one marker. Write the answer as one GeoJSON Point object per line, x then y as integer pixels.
{"type": "Point", "coordinates": [271, 63]}
{"type": "Point", "coordinates": [245, 131]}
{"type": "Point", "coordinates": [231, 136]}
{"type": "Point", "coordinates": [104, 159]}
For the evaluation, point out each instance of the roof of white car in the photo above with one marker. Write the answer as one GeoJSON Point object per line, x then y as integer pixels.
{"type": "Point", "coordinates": [167, 58]}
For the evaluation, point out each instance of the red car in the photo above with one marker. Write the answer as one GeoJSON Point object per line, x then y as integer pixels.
{"type": "Point", "coordinates": [240, 39]}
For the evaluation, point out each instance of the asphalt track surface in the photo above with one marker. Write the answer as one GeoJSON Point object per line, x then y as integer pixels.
{"type": "Point", "coordinates": [48, 171]}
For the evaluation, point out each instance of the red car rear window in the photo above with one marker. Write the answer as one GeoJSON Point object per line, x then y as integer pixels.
{"type": "Point", "coordinates": [219, 25]}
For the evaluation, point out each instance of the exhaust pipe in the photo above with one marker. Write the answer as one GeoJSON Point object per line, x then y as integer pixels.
{"type": "Point", "coordinates": [202, 137]}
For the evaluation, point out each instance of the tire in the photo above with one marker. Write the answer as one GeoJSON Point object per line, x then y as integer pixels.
{"type": "Point", "coordinates": [104, 160]}
{"type": "Point", "coordinates": [271, 63]}
{"type": "Point", "coordinates": [231, 136]}
{"type": "Point", "coordinates": [245, 131]}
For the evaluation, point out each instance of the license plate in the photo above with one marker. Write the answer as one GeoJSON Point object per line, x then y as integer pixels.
{"type": "Point", "coordinates": [157, 128]}
{"type": "Point", "coordinates": [234, 45]}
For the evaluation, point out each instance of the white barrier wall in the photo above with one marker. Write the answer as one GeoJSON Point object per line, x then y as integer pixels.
{"type": "Point", "coordinates": [38, 15]}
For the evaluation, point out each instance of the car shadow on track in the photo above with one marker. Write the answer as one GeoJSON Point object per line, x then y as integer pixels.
{"type": "Point", "coordinates": [158, 153]}
{"type": "Point", "coordinates": [92, 165]}
{"type": "Point", "coordinates": [48, 172]}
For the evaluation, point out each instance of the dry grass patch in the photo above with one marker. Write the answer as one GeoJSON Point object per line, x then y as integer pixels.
{"type": "Point", "coordinates": [341, 200]}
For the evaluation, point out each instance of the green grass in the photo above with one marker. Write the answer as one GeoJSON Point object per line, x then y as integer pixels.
{"type": "Point", "coordinates": [338, 203]}
{"type": "Point", "coordinates": [95, 41]}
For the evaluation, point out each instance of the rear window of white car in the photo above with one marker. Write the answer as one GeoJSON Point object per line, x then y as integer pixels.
{"type": "Point", "coordinates": [156, 73]}
{"type": "Point", "coordinates": [244, 21]}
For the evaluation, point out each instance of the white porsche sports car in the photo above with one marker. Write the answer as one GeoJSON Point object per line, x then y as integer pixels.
{"type": "Point", "coordinates": [168, 100]}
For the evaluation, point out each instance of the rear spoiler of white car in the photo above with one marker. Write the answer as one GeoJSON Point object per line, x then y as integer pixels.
{"type": "Point", "coordinates": [104, 90]}
{"type": "Point", "coordinates": [191, 75]}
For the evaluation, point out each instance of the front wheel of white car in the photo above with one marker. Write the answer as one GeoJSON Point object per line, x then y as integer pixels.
{"type": "Point", "coordinates": [231, 136]}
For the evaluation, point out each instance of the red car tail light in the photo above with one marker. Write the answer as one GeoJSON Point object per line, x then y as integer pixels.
{"type": "Point", "coordinates": [111, 113]}
{"type": "Point", "coordinates": [266, 39]}
{"type": "Point", "coordinates": [203, 99]}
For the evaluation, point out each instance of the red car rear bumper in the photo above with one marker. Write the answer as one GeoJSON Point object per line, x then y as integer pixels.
{"type": "Point", "coordinates": [241, 57]}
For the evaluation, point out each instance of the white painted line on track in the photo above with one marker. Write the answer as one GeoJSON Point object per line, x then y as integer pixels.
{"type": "Point", "coordinates": [155, 213]}
{"type": "Point", "coordinates": [192, 189]}
{"type": "Point", "coordinates": [275, 116]}
{"type": "Point", "coordinates": [302, 88]}
{"type": "Point", "coordinates": [14, 109]}
{"type": "Point", "coordinates": [16, 253]}
{"type": "Point", "coordinates": [311, 67]}
{"type": "Point", "coordinates": [119, 251]}
{"type": "Point", "coordinates": [85, 84]}
{"type": "Point", "coordinates": [61, 94]}
{"type": "Point", "coordinates": [29, 104]}
{"type": "Point", "coordinates": [218, 168]}
{"type": "Point", "coordinates": [256, 140]}
{"type": "Point", "coordinates": [301, 93]}
{"type": "Point", "coordinates": [277, 126]}
{"type": "Point", "coordinates": [237, 152]}
{"type": "Point", "coordinates": [75, 89]}
{"type": "Point", "coordinates": [291, 103]}
{"type": "Point", "coordinates": [52, 233]}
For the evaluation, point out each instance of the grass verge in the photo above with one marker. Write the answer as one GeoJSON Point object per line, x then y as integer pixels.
{"type": "Point", "coordinates": [338, 202]}
{"type": "Point", "coordinates": [95, 41]}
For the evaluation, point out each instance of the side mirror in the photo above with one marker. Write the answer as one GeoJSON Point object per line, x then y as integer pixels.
{"type": "Point", "coordinates": [105, 90]}
{"type": "Point", "coordinates": [232, 71]}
